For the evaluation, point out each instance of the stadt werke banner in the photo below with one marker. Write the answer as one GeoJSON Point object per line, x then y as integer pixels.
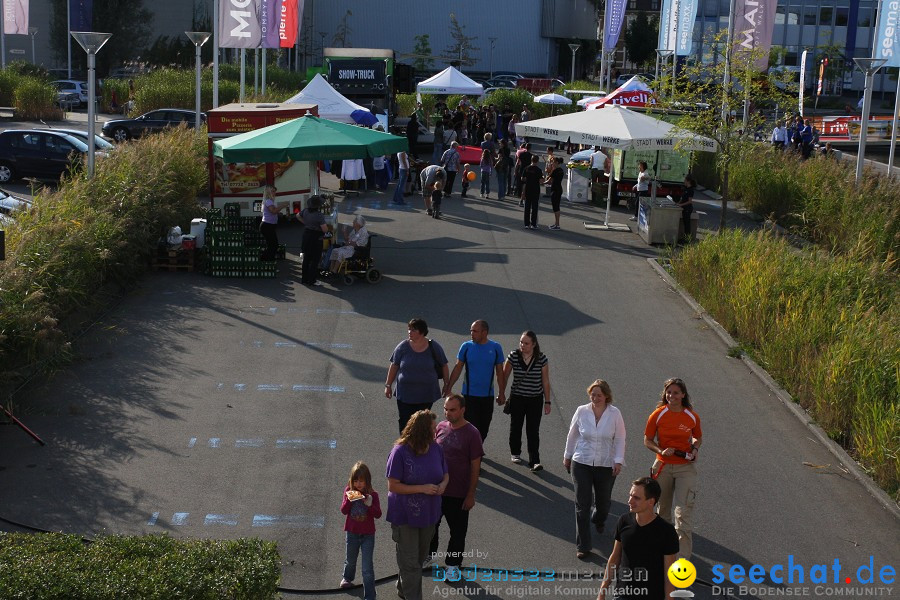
{"type": "Point", "coordinates": [81, 15]}
{"type": "Point", "coordinates": [887, 42]}
{"type": "Point", "coordinates": [239, 25]}
{"type": "Point", "coordinates": [15, 17]}
{"type": "Point", "coordinates": [614, 22]}
{"type": "Point", "coordinates": [754, 21]}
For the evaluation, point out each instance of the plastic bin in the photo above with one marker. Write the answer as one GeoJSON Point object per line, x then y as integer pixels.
{"type": "Point", "coordinates": [659, 221]}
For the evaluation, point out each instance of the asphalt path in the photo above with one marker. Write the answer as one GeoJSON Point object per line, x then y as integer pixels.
{"type": "Point", "coordinates": [226, 408]}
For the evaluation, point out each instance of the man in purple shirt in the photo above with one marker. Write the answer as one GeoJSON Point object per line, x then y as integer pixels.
{"type": "Point", "coordinates": [461, 443]}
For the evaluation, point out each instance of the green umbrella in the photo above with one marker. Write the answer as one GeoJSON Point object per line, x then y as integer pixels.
{"type": "Point", "coordinates": [307, 139]}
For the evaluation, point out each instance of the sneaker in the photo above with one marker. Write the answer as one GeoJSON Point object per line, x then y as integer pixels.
{"type": "Point", "coordinates": [537, 467]}
{"type": "Point", "coordinates": [346, 584]}
{"type": "Point", "coordinates": [517, 458]}
{"type": "Point", "coordinates": [528, 227]}
{"type": "Point", "coordinates": [452, 574]}
{"type": "Point", "coordinates": [554, 227]}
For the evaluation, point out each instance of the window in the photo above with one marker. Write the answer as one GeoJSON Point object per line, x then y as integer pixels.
{"type": "Point", "coordinates": [654, 4]}
{"type": "Point", "coordinates": [793, 15]}
{"type": "Point", "coordinates": [865, 18]}
{"type": "Point", "coordinates": [791, 58]}
{"type": "Point", "coordinates": [809, 15]}
{"type": "Point", "coordinates": [841, 16]}
{"type": "Point", "coordinates": [779, 15]}
{"type": "Point", "coordinates": [826, 16]}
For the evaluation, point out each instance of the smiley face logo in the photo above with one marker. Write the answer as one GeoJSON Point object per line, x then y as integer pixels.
{"type": "Point", "coordinates": [682, 573]}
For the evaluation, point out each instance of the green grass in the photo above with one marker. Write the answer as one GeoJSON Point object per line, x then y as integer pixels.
{"type": "Point", "coordinates": [826, 326]}
{"type": "Point", "coordinates": [32, 95]}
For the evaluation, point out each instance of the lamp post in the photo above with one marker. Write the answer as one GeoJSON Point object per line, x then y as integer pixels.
{"type": "Point", "coordinates": [663, 57]}
{"type": "Point", "coordinates": [198, 38]}
{"type": "Point", "coordinates": [868, 66]}
{"type": "Point", "coordinates": [91, 41]}
{"type": "Point", "coordinates": [32, 31]}
{"type": "Point", "coordinates": [574, 48]}
{"type": "Point", "coordinates": [492, 39]}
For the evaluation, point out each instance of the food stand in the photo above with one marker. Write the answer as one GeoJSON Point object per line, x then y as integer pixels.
{"type": "Point", "coordinates": [243, 182]}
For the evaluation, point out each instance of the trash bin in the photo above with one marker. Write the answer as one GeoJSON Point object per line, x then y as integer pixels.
{"type": "Point", "coordinates": [579, 185]}
{"type": "Point", "coordinates": [659, 221]}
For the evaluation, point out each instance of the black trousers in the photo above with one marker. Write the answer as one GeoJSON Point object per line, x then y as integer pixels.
{"type": "Point", "coordinates": [451, 177]}
{"type": "Point", "coordinates": [458, 522]}
{"type": "Point", "coordinates": [526, 410]}
{"type": "Point", "coordinates": [479, 412]}
{"type": "Point", "coordinates": [686, 220]}
{"type": "Point", "coordinates": [531, 208]}
{"type": "Point", "coordinates": [593, 486]}
{"type": "Point", "coordinates": [312, 255]}
{"type": "Point", "coordinates": [406, 410]}
{"type": "Point", "coordinates": [268, 231]}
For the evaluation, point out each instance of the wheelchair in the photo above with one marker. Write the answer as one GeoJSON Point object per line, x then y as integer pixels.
{"type": "Point", "coordinates": [360, 265]}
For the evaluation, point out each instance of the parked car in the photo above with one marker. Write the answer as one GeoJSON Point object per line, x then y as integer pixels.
{"type": "Point", "coordinates": [73, 86]}
{"type": "Point", "coordinates": [68, 100]}
{"type": "Point", "coordinates": [10, 205]}
{"type": "Point", "coordinates": [501, 81]}
{"type": "Point", "coordinates": [153, 121]}
{"type": "Point", "coordinates": [38, 153]}
{"type": "Point", "coordinates": [99, 143]}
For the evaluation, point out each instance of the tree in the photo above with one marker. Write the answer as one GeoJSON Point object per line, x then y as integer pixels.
{"type": "Point", "coordinates": [462, 47]}
{"type": "Point", "coordinates": [342, 35]}
{"type": "Point", "coordinates": [127, 21]}
{"type": "Point", "coordinates": [422, 50]}
{"type": "Point", "coordinates": [700, 93]}
{"type": "Point", "coordinates": [640, 40]}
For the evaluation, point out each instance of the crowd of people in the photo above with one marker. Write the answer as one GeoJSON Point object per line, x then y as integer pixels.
{"type": "Point", "coordinates": [800, 136]}
{"type": "Point", "coordinates": [433, 468]}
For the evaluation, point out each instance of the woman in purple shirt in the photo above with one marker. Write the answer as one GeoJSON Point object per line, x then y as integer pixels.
{"type": "Point", "coordinates": [417, 476]}
{"type": "Point", "coordinates": [417, 364]}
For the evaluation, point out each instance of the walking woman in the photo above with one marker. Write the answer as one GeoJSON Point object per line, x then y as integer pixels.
{"type": "Point", "coordinates": [594, 455]}
{"type": "Point", "coordinates": [673, 433]}
{"type": "Point", "coordinates": [417, 366]}
{"type": "Point", "coordinates": [529, 398]}
{"type": "Point", "coordinates": [417, 476]}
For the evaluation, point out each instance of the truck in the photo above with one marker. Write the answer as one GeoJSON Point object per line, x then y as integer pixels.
{"type": "Point", "coordinates": [363, 75]}
{"type": "Point", "coordinates": [538, 85]}
{"type": "Point", "coordinates": [669, 166]}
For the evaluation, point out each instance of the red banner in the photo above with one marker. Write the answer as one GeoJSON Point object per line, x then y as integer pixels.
{"type": "Point", "coordinates": [289, 22]}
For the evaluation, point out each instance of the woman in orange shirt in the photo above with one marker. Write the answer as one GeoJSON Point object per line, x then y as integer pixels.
{"type": "Point", "coordinates": [673, 433]}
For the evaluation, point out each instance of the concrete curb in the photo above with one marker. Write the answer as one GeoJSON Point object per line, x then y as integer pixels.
{"type": "Point", "coordinates": [845, 460]}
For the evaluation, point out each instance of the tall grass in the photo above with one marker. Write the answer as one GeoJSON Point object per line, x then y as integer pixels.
{"type": "Point", "coordinates": [32, 96]}
{"type": "Point", "coordinates": [90, 234]}
{"type": "Point", "coordinates": [827, 327]}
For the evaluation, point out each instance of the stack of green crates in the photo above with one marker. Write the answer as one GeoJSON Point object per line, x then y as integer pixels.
{"type": "Point", "coordinates": [228, 252]}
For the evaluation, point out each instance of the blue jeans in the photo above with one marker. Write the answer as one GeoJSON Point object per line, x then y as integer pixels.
{"type": "Point", "coordinates": [366, 543]}
{"type": "Point", "coordinates": [401, 183]}
{"type": "Point", "coordinates": [501, 185]}
{"type": "Point", "coordinates": [485, 182]}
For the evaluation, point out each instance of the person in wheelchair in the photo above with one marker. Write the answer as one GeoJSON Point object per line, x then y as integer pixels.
{"type": "Point", "coordinates": [358, 238]}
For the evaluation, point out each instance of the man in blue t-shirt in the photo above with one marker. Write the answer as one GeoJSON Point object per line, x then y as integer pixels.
{"type": "Point", "coordinates": [482, 358]}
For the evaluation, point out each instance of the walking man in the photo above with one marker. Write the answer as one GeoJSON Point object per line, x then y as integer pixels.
{"type": "Point", "coordinates": [482, 358]}
{"type": "Point", "coordinates": [461, 443]}
{"type": "Point", "coordinates": [450, 162]}
{"type": "Point", "coordinates": [645, 543]}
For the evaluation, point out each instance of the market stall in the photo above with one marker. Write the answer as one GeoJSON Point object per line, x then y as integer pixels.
{"type": "Point", "coordinates": [332, 104]}
{"type": "Point", "coordinates": [450, 81]}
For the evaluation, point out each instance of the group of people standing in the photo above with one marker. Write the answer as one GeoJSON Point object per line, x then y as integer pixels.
{"type": "Point", "coordinates": [433, 468]}
{"type": "Point", "coordinates": [795, 134]}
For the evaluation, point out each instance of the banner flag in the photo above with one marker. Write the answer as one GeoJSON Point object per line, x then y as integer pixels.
{"type": "Point", "coordinates": [665, 41]}
{"type": "Point", "coordinates": [290, 22]}
{"type": "Point", "coordinates": [81, 15]}
{"type": "Point", "coordinates": [887, 40]}
{"type": "Point", "coordinates": [687, 15]}
{"type": "Point", "coordinates": [15, 17]}
{"type": "Point", "coordinates": [802, 78]}
{"type": "Point", "coordinates": [753, 26]}
{"type": "Point", "coordinates": [614, 23]}
{"type": "Point", "coordinates": [239, 24]}
{"type": "Point", "coordinates": [269, 20]}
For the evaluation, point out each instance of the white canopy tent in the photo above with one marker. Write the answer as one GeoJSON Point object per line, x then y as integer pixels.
{"type": "Point", "coordinates": [450, 81]}
{"type": "Point", "coordinates": [633, 92]}
{"type": "Point", "coordinates": [615, 127]}
{"type": "Point", "coordinates": [553, 99]}
{"type": "Point", "coordinates": [332, 105]}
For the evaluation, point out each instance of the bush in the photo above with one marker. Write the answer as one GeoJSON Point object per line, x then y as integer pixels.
{"type": "Point", "coordinates": [91, 234]}
{"type": "Point", "coordinates": [826, 327]}
{"type": "Point", "coordinates": [36, 99]}
{"type": "Point", "coordinates": [52, 566]}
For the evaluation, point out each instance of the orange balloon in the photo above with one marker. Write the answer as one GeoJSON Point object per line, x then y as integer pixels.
{"type": "Point", "coordinates": [471, 176]}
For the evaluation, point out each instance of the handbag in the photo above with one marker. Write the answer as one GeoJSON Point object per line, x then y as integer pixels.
{"type": "Point", "coordinates": [438, 368]}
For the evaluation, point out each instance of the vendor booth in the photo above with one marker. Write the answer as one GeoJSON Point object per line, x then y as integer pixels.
{"type": "Point", "coordinates": [450, 81]}
{"type": "Point", "coordinates": [243, 182]}
{"type": "Point", "coordinates": [332, 105]}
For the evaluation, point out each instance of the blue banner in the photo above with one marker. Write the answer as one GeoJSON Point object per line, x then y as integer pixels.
{"type": "Point", "coordinates": [614, 22]}
{"type": "Point", "coordinates": [687, 15]}
{"type": "Point", "coordinates": [81, 15]}
{"type": "Point", "coordinates": [665, 24]}
{"type": "Point", "coordinates": [887, 42]}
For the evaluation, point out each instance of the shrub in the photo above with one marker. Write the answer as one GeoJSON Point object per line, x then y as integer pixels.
{"type": "Point", "coordinates": [825, 326]}
{"type": "Point", "coordinates": [90, 234]}
{"type": "Point", "coordinates": [51, 566]}
{"type": "Point", "coordinates": [36, 99]}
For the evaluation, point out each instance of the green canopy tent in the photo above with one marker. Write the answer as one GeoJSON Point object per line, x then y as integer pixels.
{"type": "Point", "coordinates": [310, 139]}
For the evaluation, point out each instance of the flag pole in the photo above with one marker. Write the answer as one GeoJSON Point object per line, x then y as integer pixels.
{"type": "Point", "coordinates": [215, 91]}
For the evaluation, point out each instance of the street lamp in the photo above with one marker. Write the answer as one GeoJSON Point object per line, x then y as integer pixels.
{"type": "Point", "coordinates": [91, 41]}
{"type": "Point", "coordinates": [198, 38]}
{"type": "Point", "coordinates": [574, 48]}
{"type": "Point", "coordinates": [662, 57]}
{"type": "Point", "coordinates": [868, 66]}
{"type": "Point", "coordinates": [32, 31]}
{"type": "Point", "coordinates": [492, 39]}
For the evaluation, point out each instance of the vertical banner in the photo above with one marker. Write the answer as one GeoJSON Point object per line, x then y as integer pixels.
{"type": "Point", "coordinates": [666, 22]}
{"type": "Point", "coordinates": [802, 79]}
{"type": "Point", "coordinates": [289, 23]}
{"type": "Point", "coordinates": [239, 24]}
{"type": "Point", "coordinates": [81, 15]}
{"type": "Point", "coordinates": [754, 21]}
{"type": "Point", "coordinates": [616, 10]}
{"type": "Point", "coordinates": [822, 65]}
{"type": "Point", "coordinates": [15, 17]}
{"type": "Point", "coordinates": [687, 15]}
{"type": "Point", "coordinates": [887, 40]}
{"type": "Point", "coordinates": [269, 20]}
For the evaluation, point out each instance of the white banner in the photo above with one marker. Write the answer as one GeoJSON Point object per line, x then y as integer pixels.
{"type": "Point", "coordinates": [802, 78]}
{"type": "Point", "coordinates": [239, 25]}
{"type": "Point", "coordinates": [15, 17]}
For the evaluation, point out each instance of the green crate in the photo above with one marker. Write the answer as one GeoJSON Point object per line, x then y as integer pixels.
{"type": "Point", "coordinates": [232, 209]}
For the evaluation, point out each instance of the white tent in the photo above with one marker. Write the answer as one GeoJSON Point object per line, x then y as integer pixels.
{"type": "Point", "coordinates": [615, 127]}
{"type": "Point", "coordinates": [633, 92]}
{"type": "Point", "coordinates": [332, 105]}
{"type": "Point", "coordinates": [450, 81]}
{"type": "Point", "coordinates": [552, 99]}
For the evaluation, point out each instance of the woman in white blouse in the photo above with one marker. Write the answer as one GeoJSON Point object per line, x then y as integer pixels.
{"type": "Point", "coordinates": [594, 455]}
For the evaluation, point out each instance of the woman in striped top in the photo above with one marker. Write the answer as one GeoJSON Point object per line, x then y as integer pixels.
{"type": "Point", "coordinates": [529, 397]}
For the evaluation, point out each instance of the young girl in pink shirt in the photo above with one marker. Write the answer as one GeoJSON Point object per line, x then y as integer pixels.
{"type": "Point", "coordinates": [360, 504]}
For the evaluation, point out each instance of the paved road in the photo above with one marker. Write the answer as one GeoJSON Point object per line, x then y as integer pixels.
{"type": "Point", "coordinates": [227, 408]}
